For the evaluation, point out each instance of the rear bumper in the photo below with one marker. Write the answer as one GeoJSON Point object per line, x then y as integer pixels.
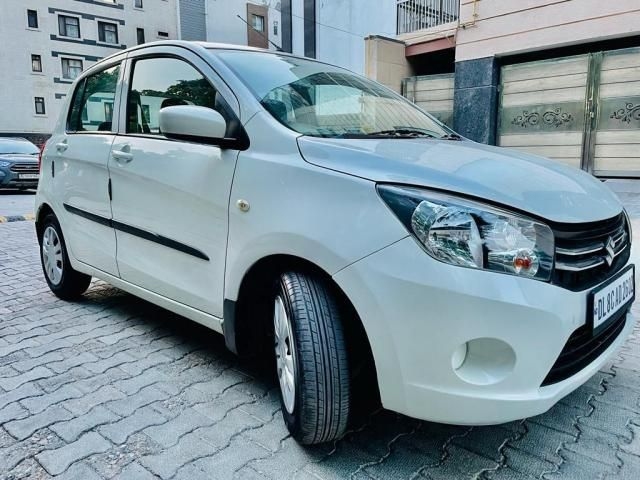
{"type": "Point", "coordinates": [420, 314]}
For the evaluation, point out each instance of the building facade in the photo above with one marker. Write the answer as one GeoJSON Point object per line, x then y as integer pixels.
{"type": "Point", "coordinates": [559, 78]}
{"type": "Point", "coordinates": [331, 31]}
{"type": "Point", "coordinates": [47, 43]}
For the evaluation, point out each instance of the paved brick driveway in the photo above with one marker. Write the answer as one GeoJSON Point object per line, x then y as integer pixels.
{"type": "Point", "coordinates": [113, 387]}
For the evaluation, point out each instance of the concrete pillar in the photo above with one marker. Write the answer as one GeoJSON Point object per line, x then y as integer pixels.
{"type": "Point", "coordinates": [475, 99]}
{"type": "Point", "coordinates": [385, 61]}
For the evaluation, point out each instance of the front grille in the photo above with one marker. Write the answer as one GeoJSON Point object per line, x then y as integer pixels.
{"type": "Point", "coordinates": [24, 168]}
{"type": "Point", "coordinates": [588, 254]}
{"type": "Point", "coordinates": [583, 347]}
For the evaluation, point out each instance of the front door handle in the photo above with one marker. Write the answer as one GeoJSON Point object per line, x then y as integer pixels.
{"type": "Point", "coordinates": [122, 156]}
{"type": "Point", "coordinates": [62, 146]}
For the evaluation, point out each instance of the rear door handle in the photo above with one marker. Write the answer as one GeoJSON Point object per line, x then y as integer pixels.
{"type": "Point", "coordinates": [122, 157]}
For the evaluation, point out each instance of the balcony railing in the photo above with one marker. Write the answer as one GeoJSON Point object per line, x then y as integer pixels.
{"type": "Point", "coordinates": [414, 15]}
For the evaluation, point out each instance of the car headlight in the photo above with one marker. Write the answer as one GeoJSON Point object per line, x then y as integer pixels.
{"type": "Point", "coordinates": [471, 234]}
{"type": "Point", "coordinates": [4, 164]}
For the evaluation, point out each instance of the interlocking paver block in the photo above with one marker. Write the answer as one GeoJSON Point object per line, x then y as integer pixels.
{"type": "Point", "coordinates": [167, 463]}
{"type": "Point", "coordinates": [24, 391]}
{"type": "Point", "coordinates": [119, 431]}
{"type": "Point", "coordinates": [82, 405]}
{"type": "Point", "coordinates": [71, 429]}
{"type": "Point", "coordinates": [169, 433]}
{"type": "Point", "coordinates": [22, 429]}
{"type": "Point", "coordinates": [57, 461]}
{"type": "Point", "coordinates": [11, 383]}
{"type": "Point", "coordinates": [127, 405]}
{"type": "Point", "coordinates": [40, 403]}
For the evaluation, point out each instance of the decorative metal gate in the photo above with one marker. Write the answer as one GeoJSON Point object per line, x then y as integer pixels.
{"type": "Point", "coordinates": [583, 111]}
{"type": "Point", "coordinates": [434, 93]}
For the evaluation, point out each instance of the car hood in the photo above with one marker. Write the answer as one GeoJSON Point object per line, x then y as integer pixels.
{"type": "Point", "coordinates": [542, 187]}
{"type": "Point", "coordinates": [18, 158]}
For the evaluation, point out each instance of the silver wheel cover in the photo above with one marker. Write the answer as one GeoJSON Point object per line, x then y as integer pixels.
{"type": "Point", "coordinates": [52, 255]}
{"type": "Point", "coordinates": [285, 354]}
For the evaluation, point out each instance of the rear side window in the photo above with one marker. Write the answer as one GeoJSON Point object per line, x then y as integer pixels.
{"type": "Point", "coordinates": [163, 82]}
{"type": "Point", "coordinates": [92, 104]}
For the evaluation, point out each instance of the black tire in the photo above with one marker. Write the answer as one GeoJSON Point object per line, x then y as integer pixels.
{"type": "Point", "coordinates": [71, 284]}
{"type": "Point", "coordinates": [322, 391]}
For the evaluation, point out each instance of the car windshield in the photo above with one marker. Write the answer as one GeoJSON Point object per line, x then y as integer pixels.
{"type": "Point", "coordinates": [321, 100]}
{"type": "Point", "coordinates": [16, 146]}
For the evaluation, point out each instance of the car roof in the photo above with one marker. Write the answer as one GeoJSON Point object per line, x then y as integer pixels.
{"type": "Point", "coordinates": [191, 44]}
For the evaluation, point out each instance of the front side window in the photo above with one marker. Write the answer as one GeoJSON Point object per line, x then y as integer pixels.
{"type": "Point", "coordinates": [32, 18]}
{"type": "Point", "coordinates": [71, 68]}
{"type": "Point", "coordinates": [39, 104]}
{"type": "Point", "coordinates": [92, 104]}
{"type": "Point", "coordinates": [316, 99]}
{"type": "Point", "coordinates": [164, 82]}
{"type": "Point", "coordinates": [257, 22]}
{"type": "Point", "coordinates": [107, 32]}
{"type": "Point", "coordinates": [36, 63]}
{"type": "Point", "coordinates": [69, 26]}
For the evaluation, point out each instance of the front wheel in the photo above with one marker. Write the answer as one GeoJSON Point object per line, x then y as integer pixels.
{"type": "Point", "coordinates": [65, 282]}
{"type": "Point", "coordinates": [311, 359]}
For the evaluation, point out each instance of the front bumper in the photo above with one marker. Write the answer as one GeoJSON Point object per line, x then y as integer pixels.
{"type": "Point", "coordinates": [418, 312]}
{"type": "Point", "coordinates": [9, 179]}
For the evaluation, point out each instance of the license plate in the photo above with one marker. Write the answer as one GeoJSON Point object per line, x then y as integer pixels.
{"type": "Point", "coordinates": [28, 176]}
{"type": "Point", "coordinates": [608, 299]}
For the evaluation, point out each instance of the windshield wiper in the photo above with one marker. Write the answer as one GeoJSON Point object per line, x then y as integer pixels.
{"type": "Point", "coordinates": [401, 132]}
{"type": "Point", "coordinates": [451, 136]}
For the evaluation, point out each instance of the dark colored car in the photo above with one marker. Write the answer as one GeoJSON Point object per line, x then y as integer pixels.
{"type": "Point", "coordinates": [18, 163]}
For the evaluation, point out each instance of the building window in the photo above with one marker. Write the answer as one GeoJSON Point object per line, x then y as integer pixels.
{"type": "Point", "coordinates": [275, 27]}
{"type": "Point", "coordinates": [163, 34]}
{"type": "Point", "coordinates": [108, 111]}
{"type": "Point", "coordinates": [107, 32]}
{"type": "Point", "coordinates": [36, 63]}
{"type": "Point", "coordinates": [137, 4]}
{"type": "Point", "coordinates": [71, 68]}
{"type": "Point", "coordinates": [257, 22]}
{"type": "Point", "coordinates": [39, 102]}
{"type": "Point", "coordinates": [69, 26]}
{"type": "Point", "coordinates": [140, 35]}
{"type": "Point", "coordinates": [32, 18]}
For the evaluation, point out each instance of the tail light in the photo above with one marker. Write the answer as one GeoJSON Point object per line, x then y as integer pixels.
{"type": "Point", "coordinates": [40, 157]}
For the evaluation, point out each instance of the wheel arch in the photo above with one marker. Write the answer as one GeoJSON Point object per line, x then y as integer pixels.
{"type": "Point", "coordinates": [246, 319]}
{"type": "Point", "coordinates": [43, 210]}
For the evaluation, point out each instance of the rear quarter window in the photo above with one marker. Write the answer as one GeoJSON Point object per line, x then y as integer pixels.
{"type": "Point", "coordinates": [93, 102]}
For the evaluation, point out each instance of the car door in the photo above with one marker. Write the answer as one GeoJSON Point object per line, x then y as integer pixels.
{"type": "Point", "coordinates": [170, 198]}
{"type": "Point", "coordinates": [80, 169]}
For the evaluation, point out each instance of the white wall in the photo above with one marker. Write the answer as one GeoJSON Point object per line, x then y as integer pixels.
{"type": "Point", "coordinates": [224, 26]}
{"type": "Point", "coordinates": [342, 26]}
{"type": "Point", "coordinates": [20, 85]}
{"type": "Point", "coordinates": [505, 27]}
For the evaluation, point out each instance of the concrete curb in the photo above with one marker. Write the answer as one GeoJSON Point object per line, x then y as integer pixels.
{"type": "Point", "coordinates": [17, 218]}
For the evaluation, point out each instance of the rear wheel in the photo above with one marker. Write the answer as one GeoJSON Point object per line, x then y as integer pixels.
{"type": "Point", "coordinates": [65, 282]}
{"type": "Point", "coordinates": [311, 359]}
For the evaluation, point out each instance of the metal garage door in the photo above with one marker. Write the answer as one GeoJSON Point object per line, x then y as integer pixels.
{"type": "Point", "coordinates": [583, 111]}
{"type": "Point", "coordinates": [542, 108]}
{"type": "Point", "coordinates": [615, 144]}
{"type": "Point", "coordinates": [433, 93]}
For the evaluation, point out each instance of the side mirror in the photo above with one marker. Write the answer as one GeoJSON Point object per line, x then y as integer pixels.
{"type": "Point", "coordinates": [193, 124]}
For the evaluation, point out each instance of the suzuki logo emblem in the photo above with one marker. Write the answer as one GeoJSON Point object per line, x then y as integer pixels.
{"type": "Point", "coordinates": [611, 253]}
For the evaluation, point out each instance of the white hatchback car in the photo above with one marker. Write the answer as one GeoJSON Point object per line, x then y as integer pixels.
{"type": "Point", "coordinates": [290, 203]}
